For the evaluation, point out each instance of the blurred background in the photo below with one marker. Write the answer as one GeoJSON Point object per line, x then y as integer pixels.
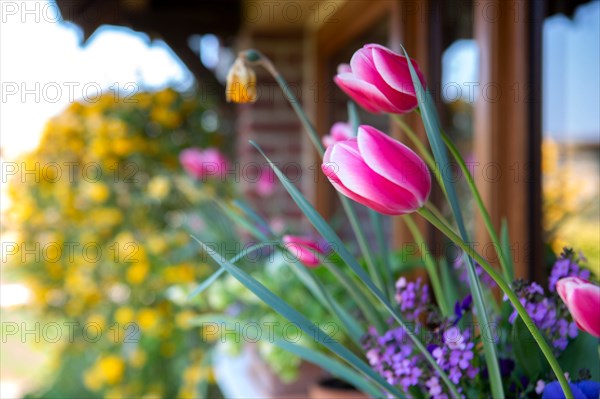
{"type": "Point", "coordinates": [100, 97]}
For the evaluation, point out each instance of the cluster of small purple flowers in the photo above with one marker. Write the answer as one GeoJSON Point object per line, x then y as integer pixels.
{"type": "Point", "coordinates": [548, 312]}
{"type": "Point", "coordinates": [413, 298]}
{"type": "Point", "coordinates": [393, 355]}
{"type": "Point", "coordinates": [567, 265]}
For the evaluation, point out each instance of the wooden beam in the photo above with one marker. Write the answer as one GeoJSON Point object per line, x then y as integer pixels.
{"type": "Point", "coordinates": [351, 20]}
{"type": "Point", "coordinates": [503, 135]}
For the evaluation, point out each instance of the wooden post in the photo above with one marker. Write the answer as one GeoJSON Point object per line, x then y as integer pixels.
{"type": "Point", "coordinates": [503, 133]}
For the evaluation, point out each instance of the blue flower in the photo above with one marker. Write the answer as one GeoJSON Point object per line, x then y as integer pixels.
{"type": "Point", "coordinates": [461, 307]}
{"type": "Point", "coordinates": [581, 390]}
{"type": "Point", "coordinates": [591, 389]}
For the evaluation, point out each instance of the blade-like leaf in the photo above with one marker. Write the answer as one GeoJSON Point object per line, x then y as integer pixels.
{"type": "Point", "coordinates": [206, 283]}
{"type": "Point", "coordinates": [316, 288]}
{"type": "Point", "coordinates": [244, 207]}
{"type": "Point", "coordinates": [310, 355]}
{"type": "Point", "coordinates": [432, 128]}
{"type": "Point", "coordinates": [505, 243]}
{"type": "Point", "coordinates": [449, 283]}
{"type": "Point", "coordinates": [527, 354]}
{"type": "Point", "coordinates": [238, 219]}
{"type": "Point", "coordinates": [334, 367]}
{"type": "Point", "coordinates": [353, 117]}
{"type": "Point", "coordinates": [285, 310]}
{"type": "Point", "coordinates": [213, 277]}
{"type": "Point", "coordinates": [338, 246]}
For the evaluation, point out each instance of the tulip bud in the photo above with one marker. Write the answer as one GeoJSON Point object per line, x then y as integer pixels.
{"type": "Point", "coordinates": [379, 172]}
{"type": "Point", "coordinates": [241, 83]}
{"type": "Point", "coordinates": [379, 80]}
{"type": "Point", "coordinates": [339, 131]}
{"type": "Point", "coordinates": [304, 249]}
{"type": "Point", "coordinates": [583, 301]}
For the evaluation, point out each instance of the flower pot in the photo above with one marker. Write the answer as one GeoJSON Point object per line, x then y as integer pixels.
{"type": "Point", "coordinates": [247, 375]}
{"type": "Point", "coordinates": [332, 388]}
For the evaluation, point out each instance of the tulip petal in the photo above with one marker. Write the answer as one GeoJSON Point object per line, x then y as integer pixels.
{"type": "Point", "coordinates": [357, 178]}
{"type": "Point", "coordinates": [394, 161]}
{"type": "Point", "coordinates": [585, 308]}
{"type": "Point", "coordinates": [394, 70]}
{"type": "Point", "coordinates": [583, 301]}
{"type": "Point", "coordinates": [329, 171]}
{"type": "Point", "coordinates": [365, 94]}
{"type": "Point", "coordinates": [401, 94]}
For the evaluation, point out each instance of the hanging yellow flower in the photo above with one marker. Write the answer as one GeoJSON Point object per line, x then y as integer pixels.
{"type": "Point", "coordinates": [241, 83]}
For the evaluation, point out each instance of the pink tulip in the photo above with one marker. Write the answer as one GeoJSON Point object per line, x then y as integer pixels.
{"type": "Point", "coordinates": [304, 249]}
{"type": "Point", "coordinates": [379, 80]}
{"type": "Point", "coordinates": [265, 186]}
{"type": "Point", "coordinates": [343, 68]}
{"type": "Point", "coordinates": [583, 300]}
{"type": "Point", "coordinates": [339, 131]}
{"type": "Point", "coordinates": [203, 164]}
{"type": "Point", "coordinates": [379, 172]}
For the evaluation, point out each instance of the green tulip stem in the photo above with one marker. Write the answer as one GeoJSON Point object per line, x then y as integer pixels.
{"type": "Point", "coordinates": [482, 209]}
{"type": "Point", "coordinates": [513, 298]}
{"type": "Point", "coordinates": [430, 264]}
{"type": "Point", "coordinates": [255, 57]}
{"type": "Point", "coordinates": [470, 182]}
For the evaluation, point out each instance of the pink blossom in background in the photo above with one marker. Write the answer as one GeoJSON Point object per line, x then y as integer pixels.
{"type": "Point", "coordinates": [265, 186]}
{"type": "Point", "coordinates": [304, 249]}
{"type": "Point", "coordinates": [204, 164]}
{"type": "Point", "coordinates": [339, 131]}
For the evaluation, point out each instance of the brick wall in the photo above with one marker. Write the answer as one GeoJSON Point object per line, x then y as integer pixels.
{"type": "Point", "coordinates": [272, 123]}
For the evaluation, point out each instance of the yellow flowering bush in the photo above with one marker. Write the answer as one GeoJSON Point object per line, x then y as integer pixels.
{"type": "Point", "coordinates": [570, 203]}
{"type": "Point", "coordinates": [100, 209]}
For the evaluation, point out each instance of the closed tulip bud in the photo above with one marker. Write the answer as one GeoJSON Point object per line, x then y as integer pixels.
{"type": "Point", "coordinates": [241, 83]}
{"type": "Point", "coordinates": [379, 172]}
{"type": "Point", "coordinates": [583, 301]}
{"type": "Point", "coordinates": [339, 131]}
{"type": "Point", "coordinates": [305, 250]}
{"type": "Point", "coordinates": [379, 80]}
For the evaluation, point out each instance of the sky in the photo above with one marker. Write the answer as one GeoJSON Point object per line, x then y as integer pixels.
{"type": "Point", "coordinates": [46, 57]}
{"type": "Point", "coordinates": [571, 105]}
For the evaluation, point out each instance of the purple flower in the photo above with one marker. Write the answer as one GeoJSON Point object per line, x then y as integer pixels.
{"type": "Point", "coordinates": [413, 297]}
{"type": "Point", "coordinates": [548, 312]}
{"type": "Point", "coordinates": [461, 307]}
{"type": "Point", "coordinates": [393, 355]}
{"type": "Point", "coordinates": [567, 265]}
{"type": "Point", "coordinates": [460, 264]}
